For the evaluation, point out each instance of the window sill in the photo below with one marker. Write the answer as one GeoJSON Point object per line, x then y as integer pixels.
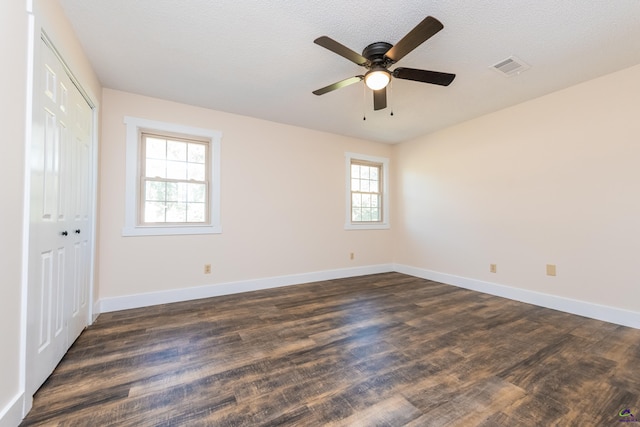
{"type": "Point", "coordinates": [377, 226]}
{"type": "Point", "coordinates": [170, 231]}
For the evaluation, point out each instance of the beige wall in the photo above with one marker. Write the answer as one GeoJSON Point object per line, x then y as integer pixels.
{"type": "Point", "coordinates": [553, 180]}
{"type": "Point", "coordinates": [13, 25]}
{"type": "Point", "coordinates": [282, 205]}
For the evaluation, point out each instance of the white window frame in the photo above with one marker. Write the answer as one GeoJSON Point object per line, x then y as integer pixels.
{"type": "Point", "coordinates": [384, 162]}
{"type": "Point", "coordinates": [134, 127]}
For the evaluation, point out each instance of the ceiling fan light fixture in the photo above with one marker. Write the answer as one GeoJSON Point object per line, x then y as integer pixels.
{"type": "Point", "coordinates": [377, 78]}
{"type": "Point", "coordinates": [378, 56]}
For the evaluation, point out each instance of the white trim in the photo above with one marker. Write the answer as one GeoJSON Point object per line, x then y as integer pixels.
{"type": "Point", "coordinates": [207, 291]}
{"type": "Point", "coordinates": [11, 415]}
{"type": "Point", "coordinates": [95, 114]}
{"type": "Point", "coordinates": [22, 404]}
{"type": "Point", "coordinates": [568, 305]}
{"type": "Point", "coordinates": [131, 227]}
{"type": "Point", "coordinates": [385, 224]}
{"type": "Point", "coordinates": [605, 313]}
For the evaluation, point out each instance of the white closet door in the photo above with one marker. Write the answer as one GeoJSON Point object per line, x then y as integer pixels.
{"type": "Point", "coordinates": [60, 218]}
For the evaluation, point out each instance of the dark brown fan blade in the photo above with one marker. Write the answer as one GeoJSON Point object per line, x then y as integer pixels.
{"type": "Point", "coordinates": [422, 32]}
{"type": "Point", "coordinates": [340, 49]}
{"type": "Point", "coordinates": [380, 99]}
{"type": "Point", "coordinates": [338, 85]}
{"type": "Point", "coordinates": [424, 76]}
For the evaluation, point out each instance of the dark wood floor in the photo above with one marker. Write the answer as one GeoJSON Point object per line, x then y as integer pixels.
{"type": "Point", "coordinates": [380, 350]}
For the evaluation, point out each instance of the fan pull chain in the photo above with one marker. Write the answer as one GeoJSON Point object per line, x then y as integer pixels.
{"type": "Point", "coordinates": [364, 102]}
{"type": "Point", "coordinates": [391, 97]}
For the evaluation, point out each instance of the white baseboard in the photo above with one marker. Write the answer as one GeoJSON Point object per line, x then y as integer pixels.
{"type": "Point", "coordinates": [582, 308]}
{"type": "Point", "coordinates": [176, 295]}
{"type": "Point", "coordinates": [11, 415]}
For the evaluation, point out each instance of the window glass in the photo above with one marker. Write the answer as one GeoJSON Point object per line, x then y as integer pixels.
{"type": "Point", "coordinates": [175, 180]}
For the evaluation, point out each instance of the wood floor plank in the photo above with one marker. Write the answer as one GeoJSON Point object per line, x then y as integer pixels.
{"type": "Point", "coordinates": [386, 349]}
{"type": "Point", "coordinates": [470, 403]}
{"type": "Point", "coordinates": [395, 410]}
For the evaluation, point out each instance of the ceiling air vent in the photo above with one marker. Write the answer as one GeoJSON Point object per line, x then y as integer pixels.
{"type": "Point", "coordinates": [511, 66]}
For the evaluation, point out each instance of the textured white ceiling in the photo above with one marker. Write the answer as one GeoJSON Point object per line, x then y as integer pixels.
{"type": "Point", "coordinates": [257, 57]}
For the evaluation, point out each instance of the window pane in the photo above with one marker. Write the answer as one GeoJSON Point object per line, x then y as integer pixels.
{"type": "Point", "coordinates": [355, 171]}
{"type": "Point", "coordinates": [195, 212]}
{"type": "Point", "coordinates": [373, 186]}
{"type": "Point", "coordinates": [375, 201]}
{"type": "Point", "coordinates": [156, 168]}
{"type": "Point", "coordinates": [176, 212]}
{"type": "Point", "coordinates": [366, 214]}
{"type": "Point", "coordinates": [176, 192]}
{"type": "Point", "coordinates": [364, 172]}
{"type": "Point", "coordinates": [182, 191]}
{"type": "Point", "coordinates": [154, 212]}
{"type": "Point", "coordinates": [156, 148]}
{"type": "Point", "coordinates": [356, 200]}
{"type": "Point", "coordinates": [176, 170]}
{"type": "Point", "coordinates": [375, 214]}
{"type": "Point", "coordinates": [196, 171]}
{"type": "Point", "coordinates": [355, 185]}
{"type": "Point", "coordinates": [155, 191]}
{"type": "Point", "coordinates": [364, 185]}
{"type": "Point", "coordinates": [366, 200]}
{"type": "Point", "coordinates": [356, 214]}
{"type": "Point", "coordinates": [373, 173]}
{"type": "Point", "coordinates": [177, 151]}
{"type": "Point", "coordinates": [172, 191]}
{"type": "Point", "coordinates": [196, 153]}
{"type": "Point", "coordinates": [197, 193]}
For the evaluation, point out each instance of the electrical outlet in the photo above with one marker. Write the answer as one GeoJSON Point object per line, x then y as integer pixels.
{"type": "Point", "coordinates": [207, 269]}
{"type": "Point", "coordinates": [493, 268]}
{"type": "Point", "coordinates": [551, 269]}
{"type": "Point", "coordinates": [352, 256]}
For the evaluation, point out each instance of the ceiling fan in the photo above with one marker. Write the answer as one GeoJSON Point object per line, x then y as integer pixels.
{"type": "Point", "coordinates": [379, 56]}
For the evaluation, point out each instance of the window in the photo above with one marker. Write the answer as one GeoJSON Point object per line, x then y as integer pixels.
{"type": "Point", "coordinates": [172, 178]}
{"type": "Point", "coordinates": [367, 192]}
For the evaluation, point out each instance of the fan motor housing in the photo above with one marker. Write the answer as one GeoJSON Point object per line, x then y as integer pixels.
{"type": "Point", "coordinates": [375, 52]}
